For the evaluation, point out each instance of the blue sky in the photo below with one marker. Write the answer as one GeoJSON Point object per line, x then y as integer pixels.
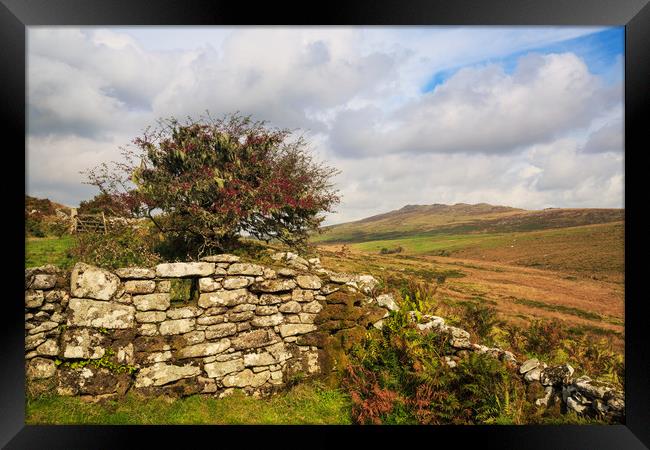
{"type": "Point", "coordinates": [530, 117]}
{"type": "Point", "coordinates": [603, 51]}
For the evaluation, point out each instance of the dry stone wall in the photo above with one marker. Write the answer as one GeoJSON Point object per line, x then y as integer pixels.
{"type": "Point", "coordinates": [194, 327]}
{"type": "Point", "coordinates": [219, 324]}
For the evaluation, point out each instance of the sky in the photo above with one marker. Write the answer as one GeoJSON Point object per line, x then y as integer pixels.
{"type": "Point", "coordinates": [529, 117]}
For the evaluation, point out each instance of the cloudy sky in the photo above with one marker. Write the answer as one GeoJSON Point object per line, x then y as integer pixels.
{"type": "Point", "coordinates": [530, 117]}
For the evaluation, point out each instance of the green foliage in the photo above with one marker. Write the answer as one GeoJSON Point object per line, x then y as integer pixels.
{"type": "Point", "coordinates": [481, 320]}
{"type": "Point", "coordinates": [216, 178]}
{"type": "Point", "coordinates": [121, 246]}
{"type": "Point", "coordinates": [398, 375]}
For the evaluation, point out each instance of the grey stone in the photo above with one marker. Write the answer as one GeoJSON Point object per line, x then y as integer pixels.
{"type": "Point", "coordinates": [294, 329]}
{"type": "Point", "coordinates": [573, 404]}
{"type": "Point", "coordinates": [529, 365]}
{"type": "Point", "coordinates": [556, 375]}
{"type": "Point", "coordinates": [148, 329]}
{"type": "Point", "coordinates": [308, 281]}
{"type": "Point", "coordinates": [220, 369]}
{"type": "Point", "coordinates": [286, 272]}
{"type": "Point", "coordinates": [246, 378]}
{"type": "Point", "coordinates": [259, 359]}
{"type": "Point", "coordinates": [39, 368]}
{"type": "Point", "coordinates": [180, 326]}
{"type": "Point", "coordinates": [254, 339]}
{"type": "Point", "coordinates": [160, 374]}
{"type": "Point", "coordinates": [150, 316]}
{"type": "Point", "coordinates": [312, 307]}
{"type": "Point", "coordinates": [83, 343]}
{"type": "Point", "coordinates": [210, 320]}
{"type": "Point", "coordinates": [267, 321]}
{"type": "Point", "coordinates": [43, 281]}
{"type": "Point", "coordinates": [88, 281]}
{"type": "Point", "coordinates": [245, 269]}
{"type": "Point", "coordinates": [592, 388]}
{"type": "Point", "coordinates": [533, 375]}
{"type": "Point", "coordinates": [149, 302]}
{"type": "Point", "coordinates": [290, 307]}
{"type": "Point", "coordinates": [139, 286]}
{"type": "Point", "coordinates": [268, 286]}
{"type": "Point", "coordinates": [387, 301]}
{"type": "Point", "coordinates": [43, 327]}
{"type": "Point", "coordinates": [136, 273]}
{"type": "Point", "coordinates": [269, 299]}
{"type": "Point", "coordinates": [34, 340]}
{"type": "Point", "coordinates": [266, 310]}
{"type": "Point", "coordinates": [48, 348]}
{"type": "Point", "coordinates": [208, 285]}
{"type": "Point", "coordinates": [204, 349]}
{"type": "Point", "coordinates": [185, 269]}
{"type": "Point", "coordinates": [34, 299]}
{"type": "Point", "coordinates": [220, 330]}
{"type": "Point", "coordinates": [100, 314]}
{"type": "Point", "coordinates": [236, 282]}
{"type": "Point", "coordinates": [226, 298]}
{"type": "Point", "coordinates": [185, 312]}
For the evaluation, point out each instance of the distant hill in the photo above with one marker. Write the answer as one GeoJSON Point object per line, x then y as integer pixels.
{"type": "Point", "coordinates": [44, 206]}
{"type": "Point", "coordinates": [462, 218]}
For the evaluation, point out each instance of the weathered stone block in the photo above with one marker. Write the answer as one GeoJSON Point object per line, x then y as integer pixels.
{"type": "Point", "coordinates": [180, 326]}
{"type": "Point", "coordinates": [84, 343]}
{"type": "Point", "coordinates": [245, 269]}
{"type": "Point", "coordinates": [150, 316]}
{"type": "Point", "coordinates": [34, 299]}
{"type": "Point", "coordinates": [290, 307]}
{"type": "Point", "coordinates": [273, 286]}
{"type": "Point", "coordinates": [204, 349]}
{"type": "Point", "coordinates": [160, 374]}
{"type": "Point", "coordinates": [137, 273]}
{"type": "Point", "coordinates": [149, 302]}
{"type": "Point", "coordinates": [38, 368]}
{"type": "Point", "coordinates": [308, 281]}
{"type": "Point", "coordinates": [267, 321]}
{"type": "Point", "coordinates": [139, 286]}
{"type": "Point", "coordinates": [220, 369]}
{"type": "Point", "coordinates": [220, 330]}
{"type": "Point", "coordinates": [100, 314]}
{"type": "Point", "coordinates": [208, 285]}
{"type": "Point", "coordinates": [295, 329]}
{"type": "Point", "coordinates": [185, 269]}
{"type": "Point", "coordinates": [226, 298]}
{"type": "Point", "coordinates": [254, 339]}
{"type": "Point", "coordinates": [88, 281]}
{"type": "Point", "coordinates": [246, 378]}
{"type": "Point", "coordinates": [184, 312]}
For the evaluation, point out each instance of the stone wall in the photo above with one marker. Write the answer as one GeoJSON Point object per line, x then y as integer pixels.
{"type": "Point", "coordinates": [184, 328]}
{"type": "Point", "coordinates": [219, 324]}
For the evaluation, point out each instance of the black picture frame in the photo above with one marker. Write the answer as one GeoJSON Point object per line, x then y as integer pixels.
{"type": "Point", "coordinates": [16, 15]}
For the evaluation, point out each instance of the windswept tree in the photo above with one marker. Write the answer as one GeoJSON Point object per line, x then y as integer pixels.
{"type": "Point", "coordinates": [214, 179]}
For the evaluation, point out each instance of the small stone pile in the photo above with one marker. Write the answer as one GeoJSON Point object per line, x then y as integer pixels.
{"type": "Point", "coordinates": [582, 395]}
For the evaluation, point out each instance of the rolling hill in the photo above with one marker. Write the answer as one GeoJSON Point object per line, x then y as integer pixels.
{"type": "Point", "coordinates": [461, 218]}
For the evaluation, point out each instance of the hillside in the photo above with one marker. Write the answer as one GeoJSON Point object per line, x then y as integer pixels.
{"type": "Point", "coordinates": [461, 218]}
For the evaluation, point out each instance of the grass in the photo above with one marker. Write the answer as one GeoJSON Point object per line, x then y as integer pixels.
{"type": "Point", "coordinates": [561, 308]}
{"type": "Point", "coordinates": [308, 403]}
{"type": "Point", "coordinates": [49, 250]}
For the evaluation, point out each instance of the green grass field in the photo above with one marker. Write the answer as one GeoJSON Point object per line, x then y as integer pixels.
{"type": "Point", "coordinates": [304, 404]}
{"type": "Point", "coordinates": [49, 250]}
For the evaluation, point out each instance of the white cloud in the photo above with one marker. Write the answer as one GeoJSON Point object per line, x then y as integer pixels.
{"type": "Point", "coordinates": [483, 110]}
{"type": "Point", "coordinates": [547, 134]}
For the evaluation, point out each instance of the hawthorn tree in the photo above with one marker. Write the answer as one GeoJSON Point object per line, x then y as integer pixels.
{"type": "Point", "coordinates": [214, 179]}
